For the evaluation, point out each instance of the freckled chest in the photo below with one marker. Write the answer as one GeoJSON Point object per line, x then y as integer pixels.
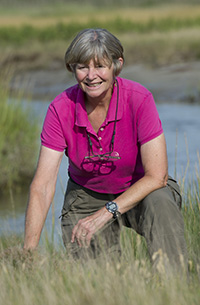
{"type": "Point", "coordinates": [97, 119]}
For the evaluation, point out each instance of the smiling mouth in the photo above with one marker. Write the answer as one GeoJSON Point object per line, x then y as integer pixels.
{"type": "Point", "coordinates": [93, 85]}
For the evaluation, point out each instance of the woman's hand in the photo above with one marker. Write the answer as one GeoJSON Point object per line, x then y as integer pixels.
{"type": "Point", "coordinates": [87, 227]}
{"type": "Point", "coordinates": [154, 159]}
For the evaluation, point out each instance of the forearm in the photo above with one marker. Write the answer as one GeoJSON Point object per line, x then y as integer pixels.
{"type": "Point", "coordinates": [154, 161]}
{"type": "Point", "coordinates": [38, 206]}
{"type": "Point", "coordinates": [87, 227]}
{"type": "Point", "coordinates": [138, 191]}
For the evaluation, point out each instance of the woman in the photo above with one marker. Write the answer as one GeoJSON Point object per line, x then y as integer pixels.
{"type": "Point", "coordinates": [110, 130]}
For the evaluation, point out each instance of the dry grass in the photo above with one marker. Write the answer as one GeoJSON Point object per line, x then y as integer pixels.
{"type": "Point", "coordinates": [67, 15]}
{"type": "Point", "coordinates": [49, 277]}
{"type": "Point", "coordinates": [158, 49]}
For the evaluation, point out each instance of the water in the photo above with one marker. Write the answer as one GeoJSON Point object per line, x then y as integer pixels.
{"type": "Point", "coordinates": [181, 125]}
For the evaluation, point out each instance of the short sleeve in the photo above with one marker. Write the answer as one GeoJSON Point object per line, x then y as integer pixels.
{"type": "Point", "coordinates": [149, 125]}
{"type": "Point", "coordinates": [52, 134]}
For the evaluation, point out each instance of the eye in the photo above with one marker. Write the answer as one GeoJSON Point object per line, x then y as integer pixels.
{"type": "Point", "coordinates": [81, 67]}
{"type": "Point", "coordinates": [100, 66]}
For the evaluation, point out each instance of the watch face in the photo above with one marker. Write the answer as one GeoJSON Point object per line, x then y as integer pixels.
{"type": "Point", "coordinates": [111, 206]}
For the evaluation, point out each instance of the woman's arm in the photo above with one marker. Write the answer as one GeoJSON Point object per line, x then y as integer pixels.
{"type": "Point", "coordinates": [155, 164]}
{"type": "Point", "coordinates": [154, 160]}
{"type": "Point", "coordinates": [42, 190]}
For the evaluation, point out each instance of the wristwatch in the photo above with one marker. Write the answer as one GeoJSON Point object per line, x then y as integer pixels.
{"type": "Point", "coordinates": [112, 207]}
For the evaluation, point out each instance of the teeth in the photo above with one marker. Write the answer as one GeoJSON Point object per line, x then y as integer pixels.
{"type": "Point", "coordinates": [94, 85]}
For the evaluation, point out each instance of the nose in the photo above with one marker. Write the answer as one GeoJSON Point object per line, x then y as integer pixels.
{"type": "Point", "coordinates": [91, 73]}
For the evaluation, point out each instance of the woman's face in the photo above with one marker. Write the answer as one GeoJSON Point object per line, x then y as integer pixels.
{"type": "Point", "coordinates": [95, 80]}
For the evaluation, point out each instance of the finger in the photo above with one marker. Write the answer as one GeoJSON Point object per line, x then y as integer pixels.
{"type": "Point", "coordinates": [83, 231]}
{"type": "Point", "coordinates": [74, 231]}
{"type": "Point", "coordinates": [81, 239]}
{"type": "Point", "coordinates": [81, 227]}
{"type": "Point", "coordinates": [88, 239]}
{"type": "Point", "coordinates": [79, 234]}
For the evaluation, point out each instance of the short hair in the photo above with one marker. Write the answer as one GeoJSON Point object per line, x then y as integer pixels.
{"type": "Point", "coordinates": [97, 44]}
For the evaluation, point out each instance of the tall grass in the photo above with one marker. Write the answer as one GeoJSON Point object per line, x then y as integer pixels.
{"type": "Point", "coordinates": [48, 276]}
{"type": "Point", "coordinates": [18, 139]}
{"type": "Point", "coordinates": [191, 212]}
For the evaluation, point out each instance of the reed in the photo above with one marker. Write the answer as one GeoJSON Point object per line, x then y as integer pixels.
{"type": "Point", "coordinates": [191, 213]}
{"type": "Point", "coordinates": [18, 139]}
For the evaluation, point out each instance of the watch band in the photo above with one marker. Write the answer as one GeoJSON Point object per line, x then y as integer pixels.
{"type": "Point", "coordinates": [116, 214]}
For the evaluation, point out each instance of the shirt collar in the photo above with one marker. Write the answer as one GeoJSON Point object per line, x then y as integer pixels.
{"type": "Point", "coordinates": [81, 119]}
{"type": "Point", "coordinates": [81, 113]}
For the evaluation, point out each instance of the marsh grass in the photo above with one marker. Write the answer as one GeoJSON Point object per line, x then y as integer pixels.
{"type": "Point", "coordinates": [191, 213]}
{"type": "Point", "coordinates": [18, 139]}
{"type": "Point", "coordinates": [118, 24]}
{"type": "Point", "coordinates": [51, 278]}
{"type": "Point", "coordinates": [48, 276]}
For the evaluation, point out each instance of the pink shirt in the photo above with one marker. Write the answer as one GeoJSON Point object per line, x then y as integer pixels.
{"type": "Point", "coordinates": [138, 122]}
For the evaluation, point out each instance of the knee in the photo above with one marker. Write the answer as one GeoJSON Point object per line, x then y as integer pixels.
{"type": "Point", "coordinates": [159, 202]}
{"type": "Point", "coordinates": [160, 208]}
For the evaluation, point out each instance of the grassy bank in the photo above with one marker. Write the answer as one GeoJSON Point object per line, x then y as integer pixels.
{"type": "Point", "coordinates": [49, 277]}
{"type": "Point", "coordinates": [18, 139]}
{"type": "Point", "coordinates": [37, 36]}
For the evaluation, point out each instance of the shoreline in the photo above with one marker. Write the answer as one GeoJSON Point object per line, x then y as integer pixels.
{"type": "Point", "coordinates": [169, 84]}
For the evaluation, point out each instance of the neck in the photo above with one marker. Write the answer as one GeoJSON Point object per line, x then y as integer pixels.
{"type": "Point", "coordinates": [101, 102]}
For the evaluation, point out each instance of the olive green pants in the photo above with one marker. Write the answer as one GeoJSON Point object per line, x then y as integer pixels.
{"type": "Point", "coordinates": [157, 218]}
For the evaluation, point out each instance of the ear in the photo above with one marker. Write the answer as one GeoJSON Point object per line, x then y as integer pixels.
{"type": "Point", "coordinates": [118, 66]}
{"type": "Point", "coordinates": [120, 59]}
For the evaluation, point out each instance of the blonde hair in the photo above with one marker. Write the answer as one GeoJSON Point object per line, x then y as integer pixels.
{"type": "Point", "coordinates": [97, 44]}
